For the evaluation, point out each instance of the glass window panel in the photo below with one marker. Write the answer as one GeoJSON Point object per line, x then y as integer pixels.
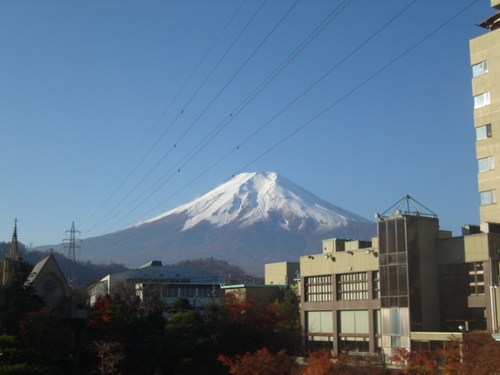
{"type": "Point", "coordinates": [378, 321]}
{"type": "Point", "coordinates": [384, 281]}
{"type": "Point", "coordinates": [395, 342]}
{"type": "Point", "coordinates": [479, 69]}
{"type": "Point", "coordinates": [354, 321]}
{"type": "Point", "coordinates": [391, 236]}
{"type": "Point", "coordinates": [393, 281]}
{"type": "Point", "coordinates": [347, 322]}
{"type": "Point", "coordinates": [486, 164]}
{"type": "Point", "coordinates": [483, 132]}
{"type": "Point", "coordinates": [362, 321]}
{"type": "Point", "coordinates": [402, 288]}
{"type": "Point", "coordinates": [481, 100]}
{"type": "Point", "coordinates": [385, 302]}
{"type": "Point", "coordinates": [395, 322]}
{"type": "Point", "coordinates": [400, 230]}
{"type": "Point", "coordinates": [313, 321]}
{"type": "Point", "coordinates": [403, 301]}
{"type": "Point", "coordinates": [326, 321]}
{"type": "Point", "coordinates": [382, 235]}
{"type": "Point", "coordinates": [487, 197]}
{"type": "Point", "coordinates": [404, 321]}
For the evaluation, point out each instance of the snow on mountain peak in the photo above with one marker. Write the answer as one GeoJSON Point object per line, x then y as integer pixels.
{"type": "Point", "coordinates": [252, 197]}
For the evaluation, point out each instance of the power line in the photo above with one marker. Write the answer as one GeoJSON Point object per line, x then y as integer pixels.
{"type": "Point", "coordinates": [158, 121]}
{"type": "Point", "coordinates": [350, 92]}
{"type": "Point", "coordinates": [213, 100]}
{"type": "Point", "coordinates": [175, 119]}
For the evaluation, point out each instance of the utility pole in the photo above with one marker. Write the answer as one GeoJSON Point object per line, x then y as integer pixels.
{"type": "Point", "coordinates": [71, 262]}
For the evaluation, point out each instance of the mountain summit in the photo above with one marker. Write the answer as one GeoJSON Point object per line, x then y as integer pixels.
{"type": "Point", "coordinates": [249, 198]}
{"type": "Point", "coordinates": [253, 219]}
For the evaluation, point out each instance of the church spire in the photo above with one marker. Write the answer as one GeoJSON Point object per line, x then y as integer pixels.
{"type": "Point", "coordinates": [14, 253]}
{"type": "Point", "coordinates": [12, 258]}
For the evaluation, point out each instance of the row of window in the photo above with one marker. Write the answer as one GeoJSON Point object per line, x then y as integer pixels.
{"type": "Point", "coordinates": [183, 291]}
{"type": "Point", "coordinates": [352, 276]}
{"type": "Point", "coordinates": [353, 296]}
{"type": "Point", "coordinates": [483, 132]}
{"type": "Point", "coordinates": [483, 99]}
{"type": "Point", "coordinates": [350, 286]}
{"type": "Point", "coordinates": [318, 288]}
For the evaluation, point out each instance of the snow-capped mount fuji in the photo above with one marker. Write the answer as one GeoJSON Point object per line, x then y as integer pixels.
{"type": "Point", "coordinates": [253, 219]}
{"type": "Point", "coordinates": [250, 198]}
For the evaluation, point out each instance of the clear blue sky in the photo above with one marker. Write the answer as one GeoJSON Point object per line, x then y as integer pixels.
{"type": "Point", "coordinates": [95, 95]}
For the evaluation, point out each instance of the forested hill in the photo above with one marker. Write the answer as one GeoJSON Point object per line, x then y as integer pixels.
{"type": "Point", "coordinates": [88, 271]}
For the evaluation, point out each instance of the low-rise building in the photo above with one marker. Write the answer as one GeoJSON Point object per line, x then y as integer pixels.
{"type": "Point", "coordinates": [164, 282]}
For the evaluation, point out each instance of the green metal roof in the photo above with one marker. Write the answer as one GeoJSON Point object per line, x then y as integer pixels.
{"type": "Point", "coordinates": [153, 263]}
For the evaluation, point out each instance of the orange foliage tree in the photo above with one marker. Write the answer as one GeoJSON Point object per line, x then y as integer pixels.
{"type": "Point", "coordinates": [262, 362]}
{"type": "Point", "coordinates": [479, 354]}
{"type": "Point", "coordinates": [424, 362]}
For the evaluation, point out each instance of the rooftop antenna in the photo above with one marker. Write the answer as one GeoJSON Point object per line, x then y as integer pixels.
{"type": "Point", "coordinates": [71, 262]}
{"type": "Point", "coordinates": [406, 207]}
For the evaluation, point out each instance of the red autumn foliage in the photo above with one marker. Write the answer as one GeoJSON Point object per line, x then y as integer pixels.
{"type": "Point", "coordinates": [262, 362]}
{"type": "Point", "coordinates": [424, 362]}
{"type": "Point", "coordinates": [480, 353]}
{"type": "Point", "coordinates": [101, 311]}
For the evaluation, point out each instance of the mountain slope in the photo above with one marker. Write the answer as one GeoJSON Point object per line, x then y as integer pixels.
{"type": "Point", "coordinates": [253, 197]}
{"type": "Point", "coordinates": [253, 219]}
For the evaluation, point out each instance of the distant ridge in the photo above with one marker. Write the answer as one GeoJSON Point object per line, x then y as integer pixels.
{"type": "Point", "coordinates": [253, 219]}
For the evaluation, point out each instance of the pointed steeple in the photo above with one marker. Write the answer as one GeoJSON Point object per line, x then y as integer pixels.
{"type": "Point", "coordinates": [14, 253]}
{"type": "Point", "coordinates": [12, 259]}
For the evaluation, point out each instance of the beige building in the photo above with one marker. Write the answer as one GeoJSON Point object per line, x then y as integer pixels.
{"type": "Point", "coordinates": [411, 287]}
{"type": "Point", "coordinates": [485, 62]}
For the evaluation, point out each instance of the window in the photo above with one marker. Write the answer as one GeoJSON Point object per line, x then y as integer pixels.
{"type": "Point", "coordinates": [354, 321]}
{"type": "Point", "coordinates": [376, 284]}
{"type": "Point", "coordinates": [319, 321]}
{"type": "Point", "coordinates": [488, 197]}
{"type": "Point", "coordinates": [479, 69]}
{"type": "Point", "coordinates": [483, 132]}
{"type": "Point", "coordinates": [318, 288]}
{"type": "Point", "coordinates": [352, 286]}
{"type": "Point", "coordinates": [481, 100]}
{"type": "Point", "coordinates": [476, 278]}
{"type": "Point", "coordinates": [486, 164]}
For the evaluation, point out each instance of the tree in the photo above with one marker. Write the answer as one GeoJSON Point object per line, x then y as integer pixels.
{"type": "Point", "coordinates": [319, 363]}
{"type": "Point", "coordinates": [479, 354]}
{"type": "Point", "coordinates": [14, 360]}
{"type": "Point", "coordinates": [424, 362]}
{"type": "Point", "coordinates": [262, 362]}
{"type": "Point", "coordinates": [186, 339]}
{"type": "Point", "coordinates": [44, 333]}
{"type": "Point", "coordinates": [110, 354]}
{"type": "Point", "coordinates": [180, 304]}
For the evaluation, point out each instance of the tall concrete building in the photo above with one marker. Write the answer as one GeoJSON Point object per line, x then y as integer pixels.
{"type": "Point", "coordinates": [485, 61]}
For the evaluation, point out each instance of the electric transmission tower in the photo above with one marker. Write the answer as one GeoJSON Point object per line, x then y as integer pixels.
{"type": "Point", "coordinates": [71, 262]}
